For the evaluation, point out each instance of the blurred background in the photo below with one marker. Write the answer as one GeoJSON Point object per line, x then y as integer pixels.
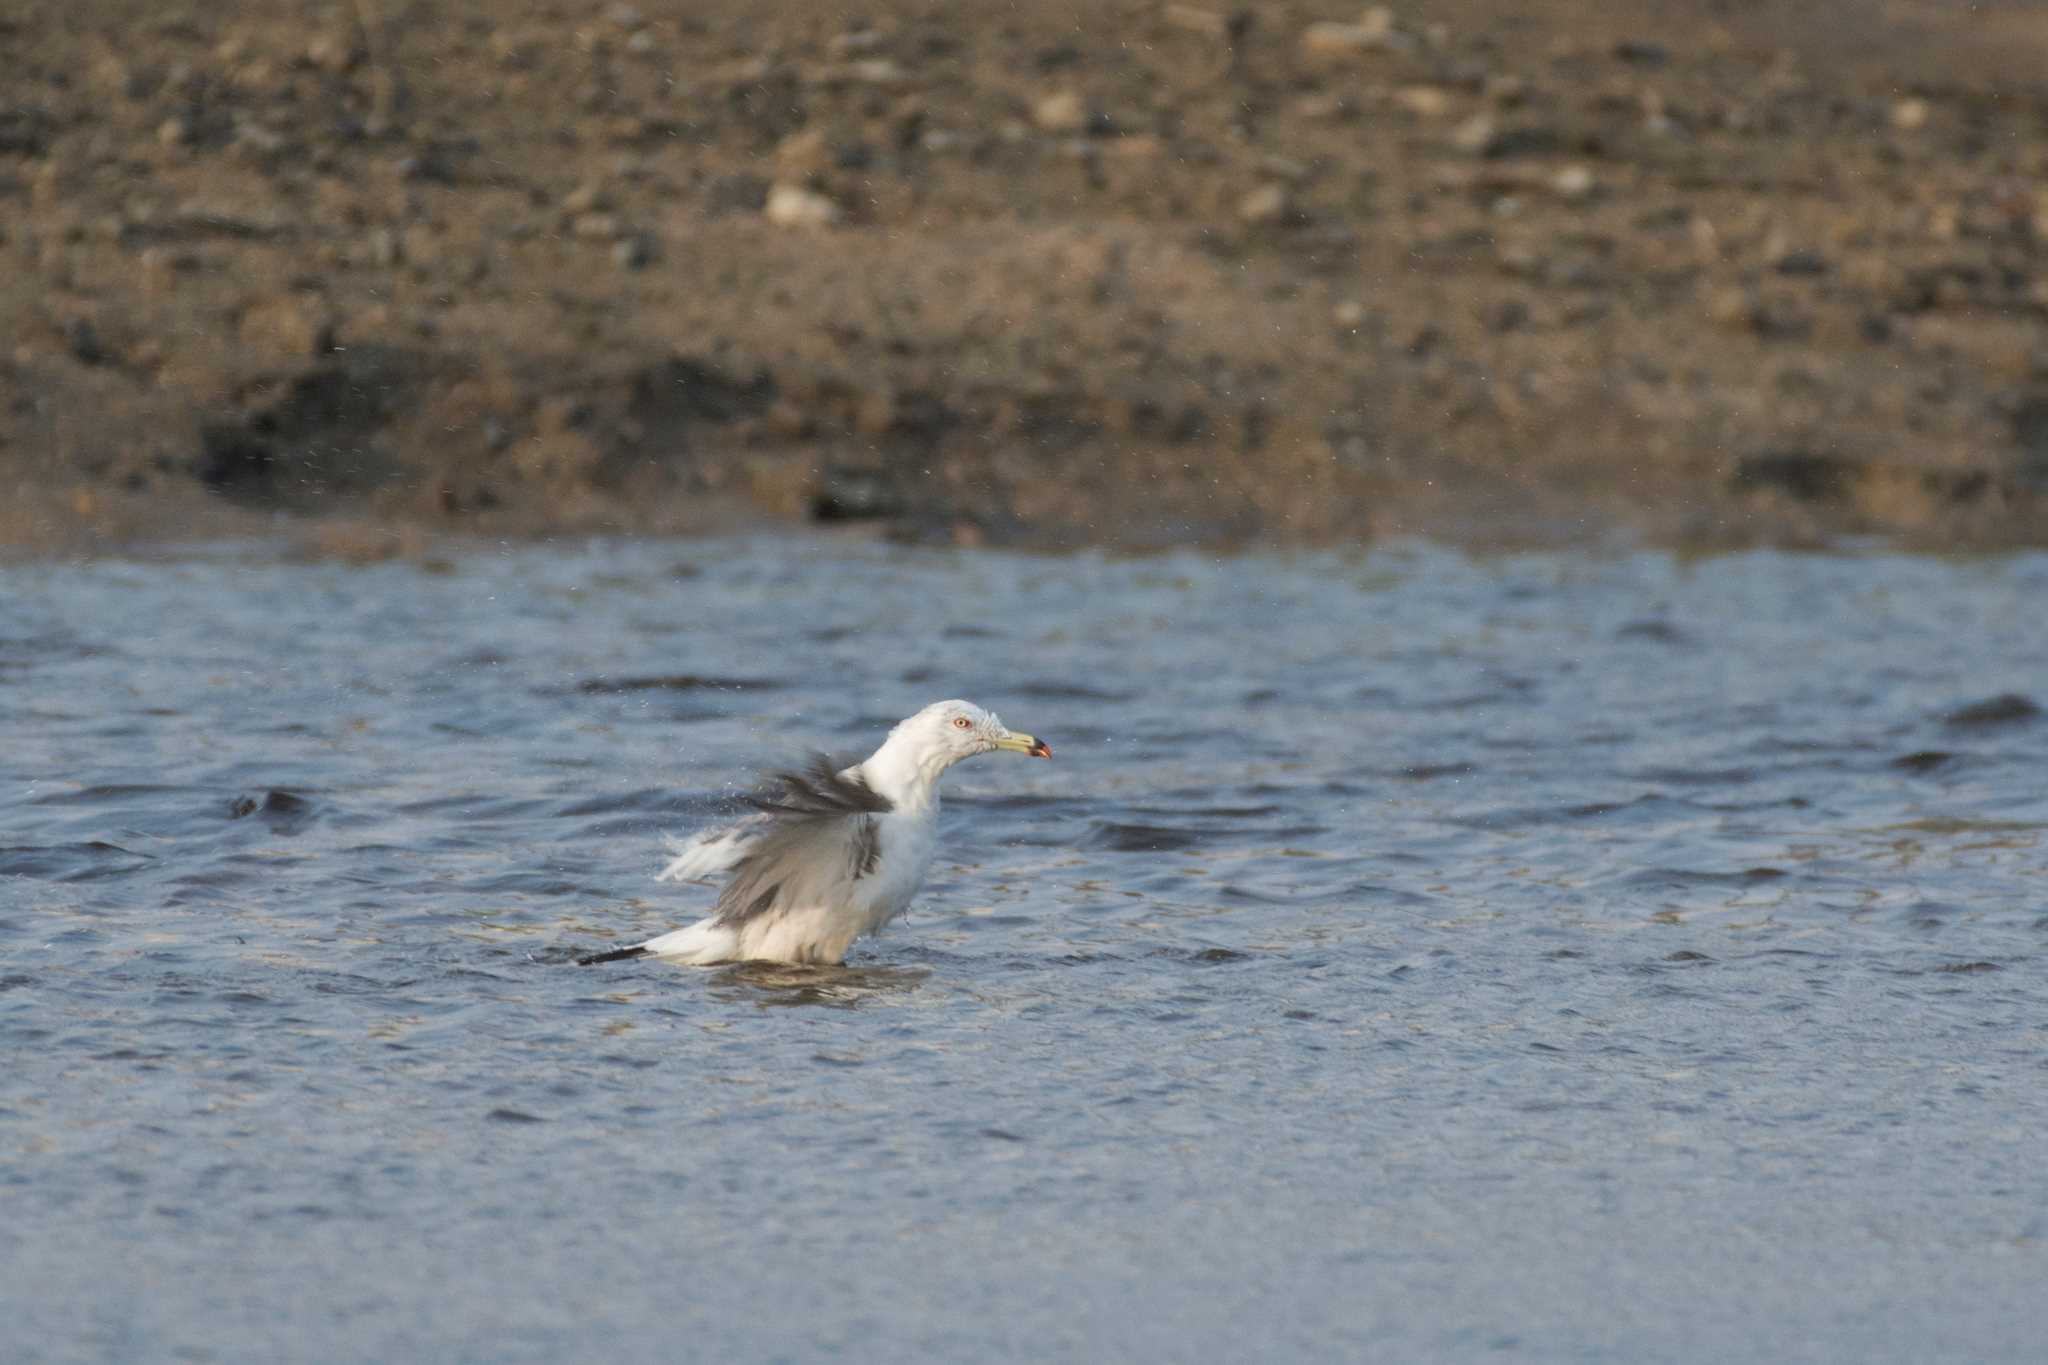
{"type": "Point", "coordinates": [1043, 273]}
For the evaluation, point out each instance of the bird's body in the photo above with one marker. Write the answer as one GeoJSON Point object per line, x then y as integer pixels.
{"type": "Point", "coordinates": [827, 856]}
{"type": "Point", "coordinates": [823, 913]}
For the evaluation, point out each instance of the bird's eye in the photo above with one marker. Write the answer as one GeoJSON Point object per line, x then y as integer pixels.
{"type": "Point", "coordinates": [961, 722]}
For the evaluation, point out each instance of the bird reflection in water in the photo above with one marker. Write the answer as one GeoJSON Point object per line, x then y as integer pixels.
{"type": "Point", "coordinates": [771, 984]}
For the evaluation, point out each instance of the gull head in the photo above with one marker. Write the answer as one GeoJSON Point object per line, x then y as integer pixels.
{"type": "Point", "coordinates": [960, 729]}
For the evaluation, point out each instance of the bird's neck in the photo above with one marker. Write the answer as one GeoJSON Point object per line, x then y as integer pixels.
{"type": "Point", "coordinates": [906, 775]}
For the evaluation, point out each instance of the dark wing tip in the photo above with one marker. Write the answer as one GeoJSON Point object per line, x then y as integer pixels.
{"type": "Point", "coordinates": [819, 790]}
{"type": "Point", "coordinates": [615, 955]}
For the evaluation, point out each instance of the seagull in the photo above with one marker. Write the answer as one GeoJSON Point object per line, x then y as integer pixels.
{"type": "Point", "coordinates": [827, 855]}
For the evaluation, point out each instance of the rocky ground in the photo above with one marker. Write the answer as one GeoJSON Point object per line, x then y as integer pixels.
{"type": "Point", "coordinates": [1040, 272]}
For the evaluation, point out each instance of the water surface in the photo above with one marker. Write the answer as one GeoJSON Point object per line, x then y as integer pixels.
{"type": "Point", "coordinates": [1406, 957]}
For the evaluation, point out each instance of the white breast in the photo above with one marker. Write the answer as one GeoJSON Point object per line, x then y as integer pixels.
{"type": "Point", "coordinates": [908, 842]}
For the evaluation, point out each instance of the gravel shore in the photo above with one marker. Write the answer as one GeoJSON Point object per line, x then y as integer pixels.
{"type": "Point", "coordinates": [1047, 273]}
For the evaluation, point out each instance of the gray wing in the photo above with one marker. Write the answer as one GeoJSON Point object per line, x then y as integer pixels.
{"type": "Point", "coordinates": [817, 833]}
{"type": "Point", "coordinates": [713, 851]}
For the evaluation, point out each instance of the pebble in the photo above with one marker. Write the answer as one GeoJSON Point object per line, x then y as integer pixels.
{"type": "Point", "coordinates": [874, 71]}
{"type": "Point", "coordinates": [1374, 32]}
{"type": "Point", "coordinates": [588, 197]}
{"type": "Point", "coordinates": [1910, 114]}
{"type": "Point", "coordinates": [1194, 19]}
{"type": "Point", "coordinates": [1505, 90]}
{"type": "Point", "coordinates": [1328, 39]}
{"type": "Point", "coordinates": [631, 253]}
{"type": "Point", "coordinates": [333, 54]}
{"type": "Point", "coordinates": [514, 50]}
{"type": "Point", "coordinates": [1266, 204]}
{"type": "Point", "coordinates": [287, 327]}
{"type": "Point", "coordinates": [421, 244]}
{"type": "Point", "coordinates": [1573, 182]}
{"type": "Point", "coordinates": [1318, 107]}
{"type": "Point", "coordinates": [161, 266]}
{"type": "Point", "coordinates": [254, 137]}
{"type": "Point", "coordinates": [1475, 134]}
{"type": "Point", "coordinates": [802, 153]}
{"type": "Point", "coordinates": [1424, 101]}
{"type": "Point", "coordinates": [854, 41]}
{"type": "Point", "coordinates": [794, 206]}
{"type": "Point", "coordinates": [1063, 111]}
{"type": "Point", "coordinates": [1730, 306]}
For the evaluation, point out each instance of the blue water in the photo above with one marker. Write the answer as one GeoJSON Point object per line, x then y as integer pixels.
{"type": "Point", "coordinates": [1407, 956]}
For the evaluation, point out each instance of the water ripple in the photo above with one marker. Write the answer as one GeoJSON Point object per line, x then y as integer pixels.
{"type": "Point", "coordinates": [1380, 914]}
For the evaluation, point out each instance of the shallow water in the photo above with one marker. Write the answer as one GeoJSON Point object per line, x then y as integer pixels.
{"type": "Point", "coordinates": [1405, 957]}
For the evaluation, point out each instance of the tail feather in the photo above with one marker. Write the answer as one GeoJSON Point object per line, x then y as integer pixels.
{"type": "Point", "coordinates": [705, 941]}
{"type": "Point", "coordinates": [615, 955]}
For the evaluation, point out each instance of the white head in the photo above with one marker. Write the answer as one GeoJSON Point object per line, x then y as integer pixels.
{"type": "Point", "coordinates": [953, 730]}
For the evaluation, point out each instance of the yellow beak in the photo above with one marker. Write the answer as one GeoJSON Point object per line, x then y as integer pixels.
{"type": "Point", "coordinates": [1025, 744]}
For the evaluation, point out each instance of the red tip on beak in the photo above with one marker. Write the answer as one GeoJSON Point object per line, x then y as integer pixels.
{"type": "Point", "coordinates": [1040, 749]}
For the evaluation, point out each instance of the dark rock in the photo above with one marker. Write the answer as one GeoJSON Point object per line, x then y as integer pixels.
{"type": "Point", "coordinates": [2007, 708]}
{"type": "Point", "coordinates": [771, 108]}
{"type": "Point", "coordinates": [1425, 341]}
{"type": "Point", "coordinates": [25, 132]}
{"type": "Point", "coordinates": [1524, 140]}
{"type": "Point", "coordinates": [856, 495]}
{"type": "Point", "coordinates": [740, 193]}
{"type": "Point", "coordinates": [1957, 487]}
{"type": "Point", "coordinates": [282, 811]}
{"type": "Point", "coordinates": [82, 340]}
{"type": "Point", "coordinates": [230, 458]}
{"type": "Point", "coordinates": [1665, 218]}
{"type": "Point", "coordinates": [1776, 320]}
{"type": "Point", "coordinates": [685, 390]}
{"type": "Point", "coordinates": [1057, 57]}
{"type": "Point", "coordinates": [309, 435]}
{"type": "Point", "coordinates": [1657, 632]}
{"type": "Point", "coordinates": [2030, 426]}
{"type": "Point", "coordinates": [1799, 474]}
{"type": "Point", "coordinates": [1510, 316]}
{"type": "Point", "coordinates": [1802, 263]}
